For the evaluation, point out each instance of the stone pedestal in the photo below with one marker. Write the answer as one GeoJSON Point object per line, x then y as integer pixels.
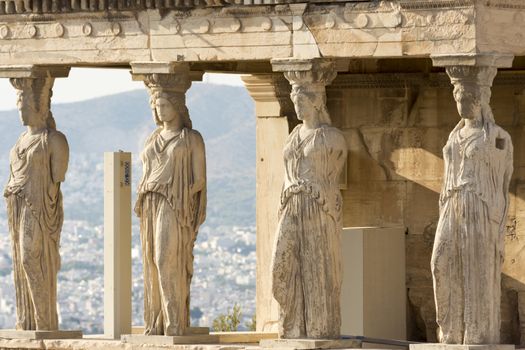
{"type": "Point", "coordinates": [373, 297]}
{"type": "Point", "coordinates": [438, 346]}
{"type": "Point", "coordinates": [307, 344]}
{"type": "Point", "coordinates": [194, 335]}
{"type": "Point", "coordinates": [39, 335]}
{"type": "Point", "coordinates": [170, 340]}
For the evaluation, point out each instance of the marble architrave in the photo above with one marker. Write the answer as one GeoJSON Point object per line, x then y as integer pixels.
{"type": "Point", "coordinates": [306, 264]}
{"type": "Point", "coordinates": [171, 206]}
{"type": "Point", "coordinates": [469, 242]}
{"type": "Point", "coordinates": [38, 164]}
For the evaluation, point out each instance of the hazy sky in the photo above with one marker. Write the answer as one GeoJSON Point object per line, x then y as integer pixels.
{"type": "Point", "coordinates": [86, 83]}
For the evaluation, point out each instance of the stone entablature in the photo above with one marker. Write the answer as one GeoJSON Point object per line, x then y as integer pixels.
{"type": "Point", "coordinates": [385, 29]}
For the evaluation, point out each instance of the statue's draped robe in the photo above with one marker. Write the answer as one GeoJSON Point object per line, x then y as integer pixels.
{"type": "Point", "coordinates": [468, 247]}
{"type": "Point", "coordinates": [169, 220]}
{"type": "Point", "coordinates": [35, 214]}
{"type": "Point", "coordinates": [306, 266]}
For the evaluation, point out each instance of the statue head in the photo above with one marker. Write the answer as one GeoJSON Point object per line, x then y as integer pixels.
{"type": "Point", "coordinates": [168, 97]}
{"type": "Point", "coordinates": [34, 101]}
{"type": "Point", "coordinates": [310, 102]}
{"type": "Point", "coordinates": [472, 91]}
{"type": "Point", "coordinates": [168, 105]}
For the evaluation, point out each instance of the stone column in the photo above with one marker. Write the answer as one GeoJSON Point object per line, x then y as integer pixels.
{"type": "Point", "coordinates": [469, 246]}
{"type": "Point", "coordinates": [275, 118]}
{"type": "Point", "coordinates": [306, 270]}
{"type": "Point", "coordinates": [167, 244]}
{"type": "Point", "coordinates": [39, 168]}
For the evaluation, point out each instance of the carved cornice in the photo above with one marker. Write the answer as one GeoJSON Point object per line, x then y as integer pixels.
{"type": "Point", "coordinates": [434, 4]}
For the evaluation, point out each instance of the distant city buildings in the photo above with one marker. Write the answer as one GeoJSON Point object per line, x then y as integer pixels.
{"type": "Point", "coordinates": [224, 275]}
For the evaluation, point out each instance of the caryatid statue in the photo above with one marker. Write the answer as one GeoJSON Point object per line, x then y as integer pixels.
{"type": "Point", "coordinates": [38, 163]}
{"type": "Point", "coordinates": [171, 205]}
{"type": "Point", "coordinates": [306, 265]}
{"type": "Point", "coordinates": [469, 243]}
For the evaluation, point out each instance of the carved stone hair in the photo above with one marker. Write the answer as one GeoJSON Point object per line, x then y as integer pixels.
{"type": "Point", "coordinates": [312, 85]}
{"type": "Point", "coordinates": [178, 102]}
{"type": "Point", "coordinates": [173, 88]}
{"type": "Point", "coordinates": [40, 90]}
{"type": "Point", "coordinates": [475, 82]}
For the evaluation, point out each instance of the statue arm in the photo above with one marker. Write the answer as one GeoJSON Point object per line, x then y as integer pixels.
{"type": "Point", "coordinates": [338, 151]}
{"type": "Point", "coordinates": [59, 156]}
{"type": "Point", "coordinates": [198, 164]}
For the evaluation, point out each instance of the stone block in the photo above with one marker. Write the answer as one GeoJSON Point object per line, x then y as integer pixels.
{"type": "Point", "coordinates": [244, 337]}
{"type": "Point", "coordinates": [169, 340]}
{"type": "Point", "coordinates": [373, 295]}
{"type": "Point", "coordinates": [189, 330]}
{"type": "Point", "coordinates": [39, 335]}
{"type": "Point", "coordinates": [307, 344]}
{"type": "Point", "coordinates": [437, 346]}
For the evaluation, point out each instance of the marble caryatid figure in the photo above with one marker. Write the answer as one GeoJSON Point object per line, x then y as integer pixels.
{"type": "Point", "coordinates": [468, 248]}
{"type": "Point", "coordinates": [38, 163]}
{"type": "Point", "coordinates": [306, 265]}
{"type": "Point", "coordinates": [171, 205]}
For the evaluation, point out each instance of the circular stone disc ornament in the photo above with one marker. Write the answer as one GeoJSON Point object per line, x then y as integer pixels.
{"type": "Point", "coordinates": [204, 26]}
{"type": "Point", "coordinates": [266, 24]}
{"type": "Point", "coordinates": [59, 30]}
{"type": "Point", "coordinates": [116, 29]}
{"type": "Point", "coordinates": [4, 32]}
{"type": "Point", "coordinates": [361, 21]}
{"type": "Point", "coordinates": [329, 22]}
{"type": "Point", "coordinates": [31, 31]}
{"type": "Point", "coordinates": [87, 29]}
{"type": "Point", "coordinates": [235, 26]}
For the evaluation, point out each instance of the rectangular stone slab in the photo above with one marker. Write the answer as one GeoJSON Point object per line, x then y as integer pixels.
{"type": "Point", "coordinates": [308, 344]}
{"type": "Point", "coordinates": [37, 335]}
{"type": "Point", "coordinates": [437, 346]}
{"type": "Point", "coordinates": [169, 340]}
{"type": "Point", "coordinates": [189, 331]}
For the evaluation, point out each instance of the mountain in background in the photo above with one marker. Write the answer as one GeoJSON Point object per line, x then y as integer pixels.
{"type": "Point", "coordinates": [224, 115]}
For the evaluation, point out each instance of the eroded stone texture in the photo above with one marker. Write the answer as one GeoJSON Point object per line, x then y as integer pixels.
{"type": "Point", "coordinates": [38, 164]}
{"type": "Point", "coordinates": [468, 247]}
{"type": "Point", "coordinates": [171, 205]}
{"type": "Point", "coordinates": [306, 265]}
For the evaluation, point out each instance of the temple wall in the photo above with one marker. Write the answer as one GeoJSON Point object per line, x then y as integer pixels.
{"type": "Point", "coordinates": [395, 134]}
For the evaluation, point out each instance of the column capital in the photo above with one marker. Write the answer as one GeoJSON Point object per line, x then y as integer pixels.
{"type": "Point", "coordinates": [139, 70]}
{"type": "Point", "coordinates": [497, 60]}
{"type": "Point", "coordinates": [271, 93]}
{"type": "Point", "coordinates": [309, 72]}
{"type": "Point", "coordinates": [34, 71]}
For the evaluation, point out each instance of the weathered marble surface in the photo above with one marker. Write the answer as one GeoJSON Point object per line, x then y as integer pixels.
{"type": "Point", "coordinates": [306, 265]}
{"type": "Point", "coordinates": [469, 243]}
{"type": "Point", "coordinates": [38, 164]}
{"type": "Point", "coordinates": [308, 344]}
{"type": "Point", "coordinates": [171, 206]}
